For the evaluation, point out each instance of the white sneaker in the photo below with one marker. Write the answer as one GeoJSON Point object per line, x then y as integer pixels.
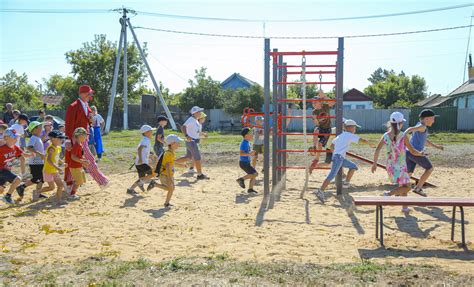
{"type": "Point", "coordinates": [346, 184]}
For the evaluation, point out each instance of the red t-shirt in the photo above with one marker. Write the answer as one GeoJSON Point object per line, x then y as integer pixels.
{"type": "Point", "coordinates": [77, 151]}
{"type": "Point", "coordinates": [7, 153]}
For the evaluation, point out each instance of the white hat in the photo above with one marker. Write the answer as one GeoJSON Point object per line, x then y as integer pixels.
{"type": "Point", "coordinates": [351, 123]}
{"type": "Point", "coordinates": [146, 128]}
{"type": "Point", "coordinates": [196, 109]}
{"type": "Point", "coordinates": [172, 138]}
{"type": "Point", "coordinates": [397, 117]}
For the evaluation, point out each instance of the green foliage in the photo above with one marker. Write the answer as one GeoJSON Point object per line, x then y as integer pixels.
{"type": "Point", "coordinates": [389, 90]}
{"type": "Point", "coordinates": [64, 86]}
{"type": "Point", "coordinates": [235, 101]}
{"type": "Point", "coordinates": [15, 89]}
{"type": "Point", "coordinates": [203, 92]}
{"type": "Point", "coordinates": [93, 64]}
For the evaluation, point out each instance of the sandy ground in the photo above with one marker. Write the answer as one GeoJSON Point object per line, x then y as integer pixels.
{"type": "Point", "coordinates": [215, 216]}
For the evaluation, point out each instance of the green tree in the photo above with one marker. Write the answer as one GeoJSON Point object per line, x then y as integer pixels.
{"type": "Point", "coordinates": [15, 89]}
{"type": "Point", "coordinates": [235, 101]}
{"type": "Point", "coordinates": [389, 90]}
{"type": "Point", "coordinates": [93, 64]}
{"type": "Point", "coordinates": [203, 92]}
{"type": "Point", "coordinates": [64, 86]}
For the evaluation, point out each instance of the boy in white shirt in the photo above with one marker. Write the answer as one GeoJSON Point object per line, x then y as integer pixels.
{"type": "Point", "coordinates": [142, 162]}
{"type": "Point", "coordinates": [19, 128]}
{"type": "Point", "coordinates": [340, 146]}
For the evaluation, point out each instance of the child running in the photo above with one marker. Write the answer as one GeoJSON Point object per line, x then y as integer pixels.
{"type": "Point", "coordinates": [160, 136]}
{"type": "Point", "coordinates": [340, 146]}
{"type": "Point", "coordinates": [52, 169]}
{"type": "Point", "coordinates": [145, 173]}
{"type": "Point", "coordinates": [257, 139]}
{"type": "Point", "coordinates": [8, 152]}
{"type": "Point", "coordinates": [36, 163]}
{"type": "Point", "coordinates": [396, 143]}
{"type": "Point", "coordinates": [418, 141]}
{"type": "Point", "coordinates": [246, 153]}
{"type": "Point", "coordinates": [165, 168]}
{"type": "Point", "coordinates": [76, 161]}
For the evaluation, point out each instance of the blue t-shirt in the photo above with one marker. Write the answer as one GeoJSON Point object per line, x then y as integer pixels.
{"type": "Point", "coordinates": [418, 139]}
{"type": "Point", "coordinates": [246, 148]}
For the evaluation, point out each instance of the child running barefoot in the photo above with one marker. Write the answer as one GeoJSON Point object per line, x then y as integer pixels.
{"type": "Point", "coordinates": [52, 169]}
{"type": "Point", "coordinates": [246, 153]}
{"type": "Point", "coordinates": [76, 161]}
{"type": "Point", "coordinates": [8, 152]}
{"type": "Point", "coordinates": [340, 146]}
{"type": "Point", "coordinates": [396, 143]}
{"type": "Point", "coordinates": [165, 168]}
{"type": "Point", "coordinates": [418, 141]}
{"type": "Point", "coordinates": [145, 173]}
{"type": "Point", "coordinates": [36, 163]}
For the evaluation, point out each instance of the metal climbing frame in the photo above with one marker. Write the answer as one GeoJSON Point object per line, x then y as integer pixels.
{"type": "Point", "coordinates": [278, 99]}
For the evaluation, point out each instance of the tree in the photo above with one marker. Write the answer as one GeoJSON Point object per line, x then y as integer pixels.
{"type": "Point", "coordinates": [15, 89]}
{"type": "Point", "coordinates": [93, 65]}
{"type": "Point", "coordinates": [389, 90]}
{"type": "Point", "coordinates": [64, 86]}
{"type": "Point", "coordinates": [203, 92]}
{"type": "Point", "coordinates": [235, 101]}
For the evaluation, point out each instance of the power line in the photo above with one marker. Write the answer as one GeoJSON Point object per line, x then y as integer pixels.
{"type": "Point", "coordinates": [302, 37]}
{"type": "Point", "coordinates": [187, 17]}
{"type": "Point", "coordinates": [56, 11]}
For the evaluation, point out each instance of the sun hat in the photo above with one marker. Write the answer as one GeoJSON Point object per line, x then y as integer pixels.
{"type": "Point", "coordinates": [79, 131]}
{"type": "Point", "coordinates": [10, 133]}
{"type": "Point", "coordinates": [427, 113]}
{"type": "Point", "coordinates": [86, 89]}
{"type": "Point", "coordinates": [397, 117]}
{"type": "Point", "coordinates": [195, 109]}
{"type": "Point", "coordinates": [350, 123]}
{"type": "Point", "coordinates": [245, 131]}
{"type": "Point", "coordinates": [58, 135]}
{"type": "Point", "coordinates": [172, 138]}
{"type": "Point", "coordinates": [162, 118]}
{"type": "Point", "coordinates": [33, 125]}
{"type": "Point", "coordinates": [146, 128]}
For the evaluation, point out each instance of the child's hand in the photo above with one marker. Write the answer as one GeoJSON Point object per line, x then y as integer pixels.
{"type": "Point", "coordinates": [440, 147]}
{"type": "Point", "coordinates": [204, 135]}
{"type": "Point", "coordinates": [374, 167]}
{"type": "Point", "coordinates": [85, 163]}
{"type": "Point", "coordinates": [253, 153]}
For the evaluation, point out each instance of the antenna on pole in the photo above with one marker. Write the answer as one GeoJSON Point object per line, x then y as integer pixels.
{"type": "Point", "coordinates": [124, 22]}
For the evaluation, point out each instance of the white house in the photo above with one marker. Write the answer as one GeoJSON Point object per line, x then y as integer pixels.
{"type": "Point", "coordinates": [356, 100]}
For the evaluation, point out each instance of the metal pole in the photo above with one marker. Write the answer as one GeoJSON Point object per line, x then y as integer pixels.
{"type": "Point", "coordinates": [339, 101]}
{"type": "Point", "coordinates": [279, 112]}
{"type": "Point", "coordinates": [157, 88]}
{"type": "Point", "coordinates": [125, 72]}
{"type": "Point", "coordinates": [266, 139]}
{"type": "Point", "coordinates": [108, 123]}
{"type": "Point", "coordinates": [275, 120]}
{"type": "Point", "coordinates": [283, 128]}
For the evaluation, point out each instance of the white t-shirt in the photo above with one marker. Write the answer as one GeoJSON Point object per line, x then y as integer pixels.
{"type": "Point", "coordinates": [145, 151]}
{"type": "Point", "coordinates": [97, 120]}
{"type": "Point", "coordinates": [84, 106]}
{"type": "Point", "coordinates": [342, 142]}
{"type": "Point", "coordinates": [20, 131]}
{"type": "Point", "coordinates": [193, 127]}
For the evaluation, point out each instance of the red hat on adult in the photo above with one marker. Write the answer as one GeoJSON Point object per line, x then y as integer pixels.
{"type": "Point", "coordinates": [86, 89]}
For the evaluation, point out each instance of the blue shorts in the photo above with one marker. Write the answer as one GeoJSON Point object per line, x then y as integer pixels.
{"type": "Point", "coordinates": [413, 160]}
{"type": "Point", "coordinates": [192, 150]}
{"type": "Point", "coordinates": [337, 162]}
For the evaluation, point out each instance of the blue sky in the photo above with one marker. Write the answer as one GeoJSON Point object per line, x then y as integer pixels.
{"type": "Point", "coordinates": [36, 43]}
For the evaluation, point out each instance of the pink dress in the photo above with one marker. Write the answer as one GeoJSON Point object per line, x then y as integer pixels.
{"type": "Point", "coordinates": [396, 159]}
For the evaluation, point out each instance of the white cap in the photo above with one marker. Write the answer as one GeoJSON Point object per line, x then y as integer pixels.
{"type": "Point", "coordinates": [196, 109]}
{"type": "Point", "coordinates": [172, 138]}
{"type": "Point", "coordinates": [146, 128]}
{"type": "Point", "coordinates": [397, 117]}
{"type": "Point", "coordinates": [351, 123]}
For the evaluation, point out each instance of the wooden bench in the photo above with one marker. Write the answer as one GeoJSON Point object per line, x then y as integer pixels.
{"type": "Point", "coordinates": [381, 201]}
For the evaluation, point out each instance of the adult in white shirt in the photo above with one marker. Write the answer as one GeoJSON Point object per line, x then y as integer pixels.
{"type": "Point", "coordinates": [192, 130]}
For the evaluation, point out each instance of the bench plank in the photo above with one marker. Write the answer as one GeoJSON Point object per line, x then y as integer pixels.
{"type": "Point", "coordinates": [413, 201]}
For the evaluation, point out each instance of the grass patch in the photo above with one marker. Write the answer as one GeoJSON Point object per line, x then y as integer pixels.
{"type": "Point", "coordinates": [49, 230]}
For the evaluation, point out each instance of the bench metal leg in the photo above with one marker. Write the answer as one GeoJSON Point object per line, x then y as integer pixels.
{"type": "Point", "coordinates": [453, 220]}
{"type": "Point", "coordinates": [377, 221]}
{"type": "Point", "coordinates": [381, 225]}
{"type": "Point", "coordinates": [462, 227]}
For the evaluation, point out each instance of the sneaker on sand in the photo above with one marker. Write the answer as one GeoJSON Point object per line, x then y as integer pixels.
{"type": "Point", "coordinates": [191, 170]}
{"type": "Point", "coordinates": [21, 190]}
{"type": "Point", "coordinates": [167, 205]}
{"type": "Point", "coordinates": [346, 184]}
{"type": "Point", "coordinates": [43, 196]}
{"type": "Point", "coordinates": [406, 210]}
{"type": "Point", "coordinates": [241, 182]}
{"type": "Point", "coordinates": [251, 191]}
{"type": "Point", "coordinates": [202, 176]}
{"type": "Point", "coordinates": [420, 192]}
{"type": "Point", "coordinates": [320, 195]}
{"type": "Point", "coordinates": [151, 185]}
{"type": "Point", "coordinates": [7, 198]}
{"type": "Point", "coordinates": [131, 191]}
{"type": "Point", "coordinates": [141, 186]}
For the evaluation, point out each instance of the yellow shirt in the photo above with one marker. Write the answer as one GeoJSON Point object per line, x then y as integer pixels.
{"type": "Point", "coordinates": [48, 168]}
{"type": "Point", "coordinates": [168, 157]}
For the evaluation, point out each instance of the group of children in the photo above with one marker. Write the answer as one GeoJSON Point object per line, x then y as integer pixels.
{"type": "Point", "coordinates": [403, 154]}
{"type": "Point", "coordinates": [49, 155]}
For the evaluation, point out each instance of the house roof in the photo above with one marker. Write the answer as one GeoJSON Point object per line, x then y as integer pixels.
{"type": "Point", "coordinates": [52, 99]}
{"type": "Point", "coordinates": [433, 101]}
{"type": "Point", "coordinates": [354, 95]}
{"type": "Point", "coordinates": [236, 81]}
{"type": "Point", "coordinates": [467, 87]}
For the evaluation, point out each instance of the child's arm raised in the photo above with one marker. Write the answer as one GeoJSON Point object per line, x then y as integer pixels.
{"type": "Point", "coordinates": [376, 154]}
{"type": "Point", "coordinates": [438, 146]}
{"type": "Point", "coordinates": [367, 142]}
{"type": "Point", "coordinates": [418, 128]}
